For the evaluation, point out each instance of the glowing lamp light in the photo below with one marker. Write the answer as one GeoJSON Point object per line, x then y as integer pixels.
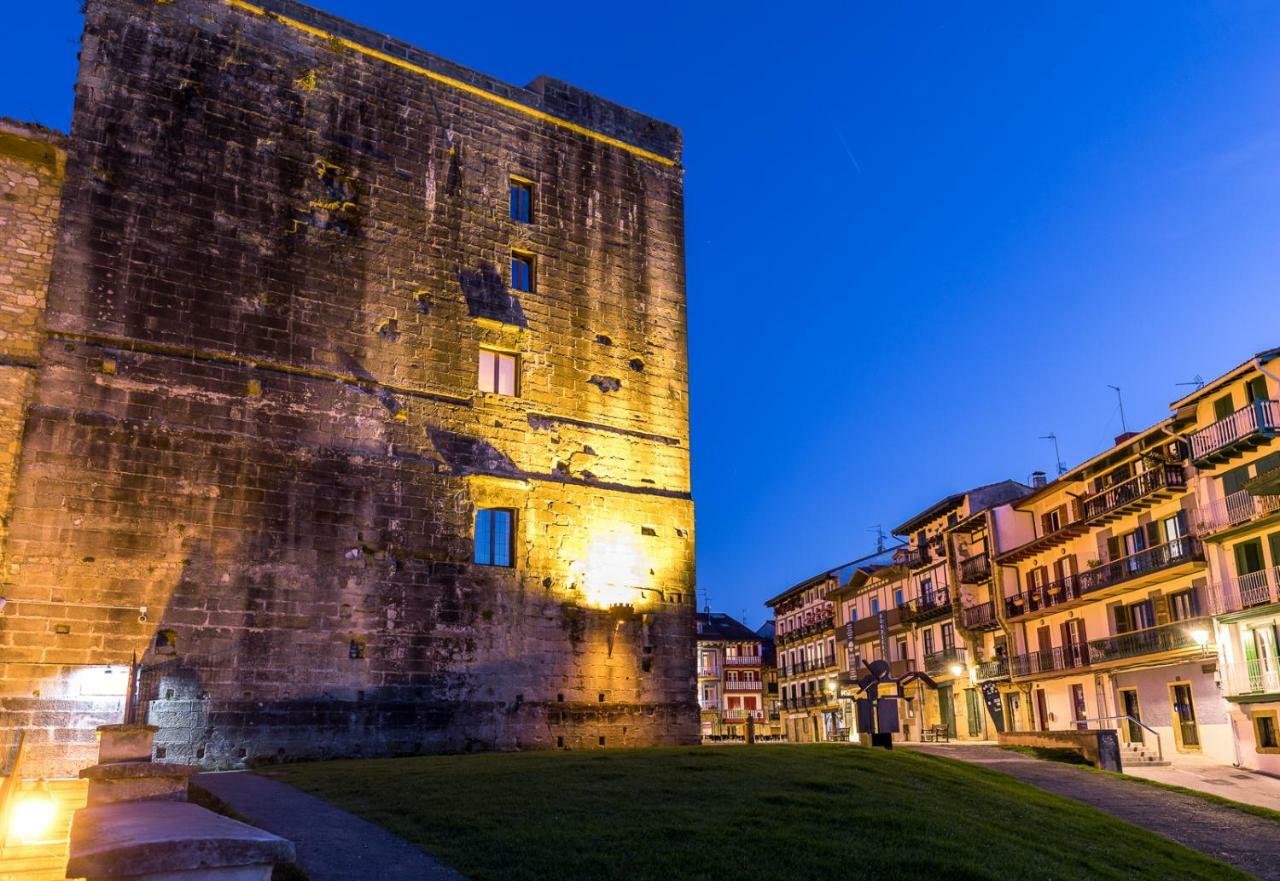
{"type": "Point", "coordinates": [1200, 637]}
{"type": "Point", "coordinates": [31, 818]}
{"type": "Point", "coordinates": [956, 669]}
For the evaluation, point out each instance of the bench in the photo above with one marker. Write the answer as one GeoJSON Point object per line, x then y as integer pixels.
{"type": "Point", "coordinates": [936, 734]}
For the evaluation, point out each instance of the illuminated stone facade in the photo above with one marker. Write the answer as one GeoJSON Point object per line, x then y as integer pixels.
{"type": "Point", "coordinates": [258, 445]}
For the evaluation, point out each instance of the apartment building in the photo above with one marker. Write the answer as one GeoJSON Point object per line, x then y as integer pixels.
{"type": "Point", "coordinates": [932, 608]}
{"type": "Point", "coordinates": [1229, 426]}
{"type": "Point", "coordinates": [734, 678]}
{"type": "Point", "coordinates": [869, 618]}
{"type": "Point", "coordinates": [804, 624]}
{"type": "Point", "coordinates": [1111, 616]}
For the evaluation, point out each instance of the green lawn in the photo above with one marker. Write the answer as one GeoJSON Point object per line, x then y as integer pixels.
{"type": "Point", "coordinates": [765, 812]}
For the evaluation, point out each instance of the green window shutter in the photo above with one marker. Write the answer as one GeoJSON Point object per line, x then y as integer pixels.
{"type": "Point", "coordinates": [1257, 389]}
{"type": "Point", "coordinates": [1274, 541]}
{"type": "Point", "coordinates": [1269, 462]}
{"type": "Point", "coordinates": [1234, 480]}
{"type": "Point", "coordinates": [1119, 617]}
{"type": "Point", "coordinates": [1223, 407]}
{"type": "Point", "coordinates": [1154, 537]}
{"type": "Point", "coordinates": [1248, 557]}
{"type": "Point", "coordinates": [1160, 605]}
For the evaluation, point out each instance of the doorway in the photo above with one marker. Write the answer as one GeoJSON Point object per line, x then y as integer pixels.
{"type": "Point", "coordinates": [1185, 730]}
{"type": "Point", "coordinates": [1079, 710]}
{"type": "Point", "coordinates": [1042, 709]}
{"type": "Point", "coordinates": [946, 712]}
{"type": "Point", "coordinates": [973, 707]}
{"type": "Point", "coordinates": [1129, 707]}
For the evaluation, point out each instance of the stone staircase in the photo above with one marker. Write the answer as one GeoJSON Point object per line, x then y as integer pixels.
{"type": "Point", "coordinates": [1137, 754]}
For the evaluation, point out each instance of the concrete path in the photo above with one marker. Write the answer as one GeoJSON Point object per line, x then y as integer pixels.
{"type": "Point", "coordinates": [1237, 784]}
{"type": "Point", "coordinates": [332, 844]}
{"type": "Point", "coordinates": [1251, 844]}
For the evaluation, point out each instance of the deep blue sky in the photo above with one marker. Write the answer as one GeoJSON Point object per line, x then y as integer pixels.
{"type": "Point", "coordinates": [919, 237]}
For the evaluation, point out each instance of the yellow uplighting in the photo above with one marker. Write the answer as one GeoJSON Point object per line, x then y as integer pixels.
{"type": "Point", "coordinates": [1200, 637]}
{"type": "Point", "coordinates": [31, 818]}
{"type": "Point", "coordinates": [956, 669]}
{"type": "Point", "coordinates": [614, 572]}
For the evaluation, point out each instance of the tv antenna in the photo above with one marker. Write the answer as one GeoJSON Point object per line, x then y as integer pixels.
{"type": "Point", "coordinates": [1062, 469]}
{"type": "Point", "coordinates": [880, 536]}
{"type": "Point", "coordinates": [1120, 398]}
{"type": "Point", "coordinates": [1197, 381]}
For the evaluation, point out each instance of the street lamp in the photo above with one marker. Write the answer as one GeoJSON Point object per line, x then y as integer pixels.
{"type": "Point", "coordinates": [1200, 637]}
{"type": "Point", "coordinates": [956, 669]}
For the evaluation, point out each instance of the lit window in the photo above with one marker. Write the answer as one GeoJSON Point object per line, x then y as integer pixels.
{"type": "Point", "coordinates": [521, 200]}
{"type": "Point", "coordinates": [494, 536]}
{"type": "Point", "coordinates": [497, 372]}
{"type": "Point", "coordinates": [521, 271]}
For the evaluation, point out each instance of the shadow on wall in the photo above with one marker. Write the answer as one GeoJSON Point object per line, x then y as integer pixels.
{"type": "Point", "coordinates": [488, 296]}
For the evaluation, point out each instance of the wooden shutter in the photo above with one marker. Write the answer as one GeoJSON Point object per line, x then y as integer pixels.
{"type": "Point", "coordinates": [1044, 640]}
{"type": "Point", "coordinates": [1114, 549]}
{"type": "Point", "coordinates": [1066, 645]}
{"type": "Point", "coordinates": [1073, 567]}
{"type": "Point", "coordinates": [1223, 407]}
{"type": "Point", "coordinates": [1119, 617]}
{"type": "Point", "coordinates": [1160, 606]}
{"type": "Point", "coordinates": [1154, 538]}
{"type": "Point", "coordinates": [1084, 640]}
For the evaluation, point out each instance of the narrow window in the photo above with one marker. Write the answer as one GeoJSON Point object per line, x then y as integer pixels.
{"type": "Point", "coordinates": [494, 536]}
{"type": "Point", "coordinates": [1256, 389]}
{"type": "Point", "coordinates": [521, 271]}
{"type": "Point", "coordinates": [1223, 407]}
{"type": "Point", "coordinates": [521, 200]}
{"type": "Point", "coordinates": [497, 372]}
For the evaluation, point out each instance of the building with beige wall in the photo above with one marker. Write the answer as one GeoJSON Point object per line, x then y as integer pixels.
{"type": "Point", "coordinates": [736, 681]}
{"type": "Point", "coordinates": [1230, 426]}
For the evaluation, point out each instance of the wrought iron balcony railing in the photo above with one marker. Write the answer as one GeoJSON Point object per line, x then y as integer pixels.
{"type": "Point", "coordinates": [1153, 640]}
{"type": "Point", "coordinates": [941, 661]}
{"type": "Point", "coordinates": [1186, 549]}
{"type": "Point", "coordinates": [1235, 510]}
{"type": "Point", "coordinates": [1147, 486]}
{"type": "Point", "coordinates": [975, 569]}
{"type": "Point", "coordinates": [997, 668]}
{"type": "Point", "coordinates": [931, 605]}
{"type": "Point", "coordinates": [979, 617]}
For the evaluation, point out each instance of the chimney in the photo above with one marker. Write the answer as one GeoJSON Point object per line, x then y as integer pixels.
{"type": "Point", "coordinates": [1121, 438]}
{"type": "Point", "coordinates": [1037, 479]}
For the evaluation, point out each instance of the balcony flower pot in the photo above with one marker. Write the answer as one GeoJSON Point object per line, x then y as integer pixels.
{"type": "Point", "coordinates": [1055, 592]}
{"type": "Point", "coordinates": [1093, 564]}
{"type": "Point", "coordinates": [1019, 602]}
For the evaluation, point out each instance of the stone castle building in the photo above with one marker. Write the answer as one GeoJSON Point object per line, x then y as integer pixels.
{"type": "Point", "coordinates": [349, 391]}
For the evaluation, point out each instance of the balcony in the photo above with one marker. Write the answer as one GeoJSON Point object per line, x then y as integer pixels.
{"type": "Point", "coordinates": [1075, 526]}
{"type": "Point", "coordinates": [979, 617]}
{"type": "Point", "coordinates": [941, 661]}
{"type": "Point", "coordinates": [1127, 571]}
{"type": "Point", "coordinates": [997, 668]}
{"type": "Point", "coordinates": [914, 557]}
{"type": "Point", "coordinates": [804, 665]}
{"type": "Point", "coordinates": [813, 628]}
{"type": "Point", "coordinates": [1141, 490]}
{"type": "Point", "coordinates": [1261, 588]}
{"type": "Point", "coordinates": [870, 625]}
{"type": "Point", "coordinates": [743, 685]}
{"type": "Point", "coordinates": [1235, 510]}
{"type": "Point", "coordinates": [709, 671]}
{"type": "Point", "coordinates": [975, 569]}
{"type": "Point", "coordinates": [741, 715]}
{"type": "Point", "coordinates": [1152, 641]}
{"type": "Point", "coordinates": [1253, 678]}
{"type": "Point", "coordinates": [743, 661]}
{"type": "Point", "coordinates": [1242, 431]}
{"type": "Point", "coordinates": [933, 605]}
{"type": "Point", "coordinates": [1051, 661]}
{"type": "Point", "coordinates": [806, 701]}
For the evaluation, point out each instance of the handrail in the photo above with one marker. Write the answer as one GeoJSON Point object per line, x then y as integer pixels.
{"type": "Point", "coordinates": [1139, 723]}
{"type": "Point", "coordinates": [10, 787]}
